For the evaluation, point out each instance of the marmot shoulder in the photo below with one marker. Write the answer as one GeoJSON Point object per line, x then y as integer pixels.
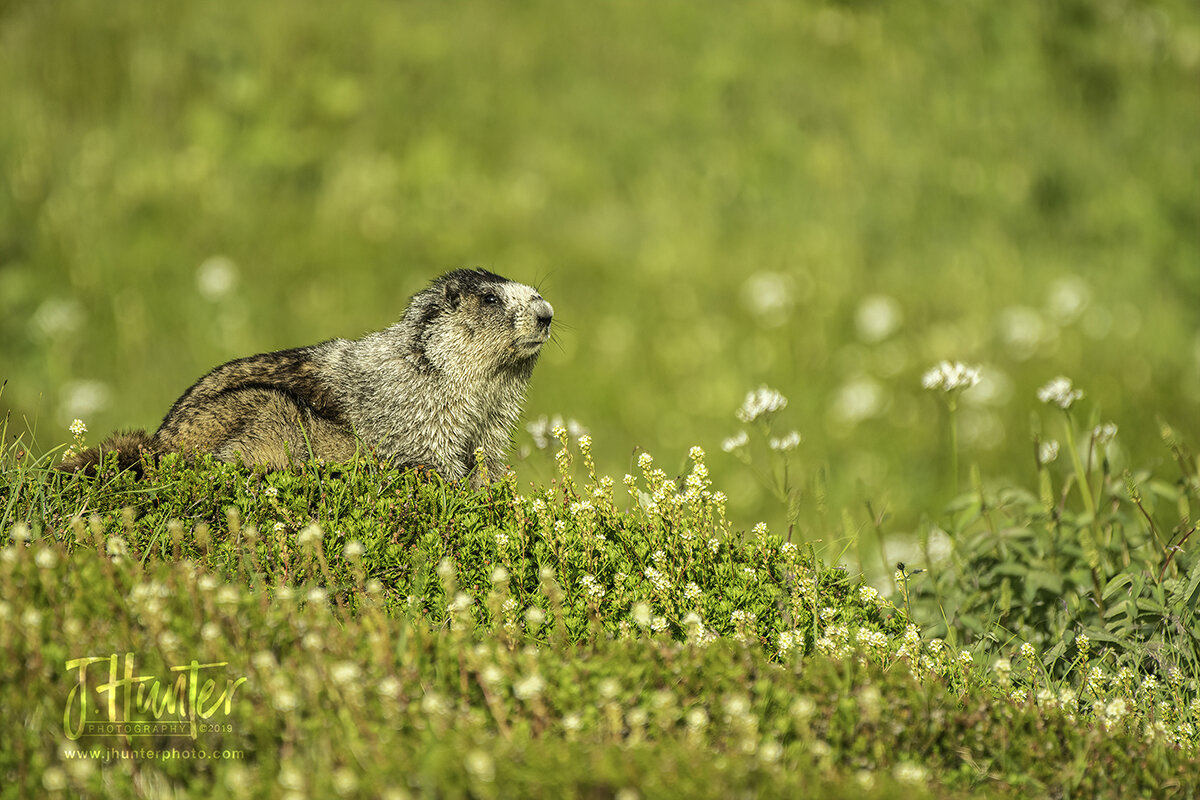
{"type": "Point", "coordinates": [446, 380]}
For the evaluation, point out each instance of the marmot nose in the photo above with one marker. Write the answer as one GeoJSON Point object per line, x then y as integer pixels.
{"type": "Point", "coordinates": [545, 313]}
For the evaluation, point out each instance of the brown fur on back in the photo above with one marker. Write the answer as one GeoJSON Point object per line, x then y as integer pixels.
{"type": "Point", "coordinates": [271, 408]}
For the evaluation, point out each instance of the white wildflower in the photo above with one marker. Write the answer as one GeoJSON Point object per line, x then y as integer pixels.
{"type": "Point", "coordinates": [1059, 392]}
{"type": "Point", "coordinates": [45, 558]}
{"type": "Point", "coordinates": [760, 402]}
{"type": "Point", "coordinates": [876, 641]}
{"type": "Point", "coordinates": [1103, 434]}
{"type": "Point", "coordinates": [698, 634]}
{"type": "Point", "coordinates": [789, 442]}
{"type": "Point", "coordinates": [789, 641]}
{"type": "Point", "coordinates": [770, 752]}
{"type": "Point", "coordinates": [593, 589]}
{"type": "Point", "coordinates": [309, 536]}
{"type": "Point", "coordinates": [1112, 714]}
{"type": "Point", "coordinates": [659, 581]}
{"type": "Point", "coordinates": [910, 773]}
{"type": "Point", "coordinates": [480, 766]}
{"type": "Point", "coordinates": [740, 617]}
{"type": "Point", "coordinates": [530, 687]}
{"type": "Point", "coordinates": [803, 708]}
{"type": "Point", "coordinates": [534, 617]}
{"type": "Point", "coordinates": [345, 673]}
{"type": "Point", "coordinates": [951, 376]}
{"type": "Point", "coordinates": [1048, 451]}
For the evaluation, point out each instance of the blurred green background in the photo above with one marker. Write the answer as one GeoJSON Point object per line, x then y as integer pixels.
{"type": "Point", "coordinates": [825, 198]}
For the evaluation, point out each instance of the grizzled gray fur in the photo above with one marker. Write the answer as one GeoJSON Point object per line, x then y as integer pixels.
{"type": "Point", "coordinates": [447, 379]}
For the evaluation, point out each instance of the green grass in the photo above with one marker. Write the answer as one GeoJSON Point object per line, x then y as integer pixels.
{"type": "Point", "coordinates": [398, 634]}
{"type": "Point", "coordinates": [826, 199]}
{"type": "Point", "coordinates": [709, 201]}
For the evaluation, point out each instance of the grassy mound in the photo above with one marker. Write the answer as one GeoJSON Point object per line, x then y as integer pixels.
{"type": "Point", "coordinates": [353, 631]}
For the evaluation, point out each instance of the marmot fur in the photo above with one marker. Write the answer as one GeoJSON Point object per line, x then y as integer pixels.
{"type": "Point", "coordinates": [447, 379]}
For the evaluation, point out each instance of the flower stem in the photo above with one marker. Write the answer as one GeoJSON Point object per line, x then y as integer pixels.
{"type": "Point", "coordinates": [1081, 475]}
{"type": "Point", "coordinates": [953, 406]}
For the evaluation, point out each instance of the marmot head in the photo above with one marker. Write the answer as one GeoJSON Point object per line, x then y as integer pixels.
{"type": "Point", "coordinates": [472, 320]}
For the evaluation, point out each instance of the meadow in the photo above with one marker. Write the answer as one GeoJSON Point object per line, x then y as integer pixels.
{"type": "Point", "coordinates": [825, 200]}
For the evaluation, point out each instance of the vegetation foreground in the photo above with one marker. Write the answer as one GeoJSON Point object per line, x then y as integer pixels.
{"type": "Point", "coordinates": [351, 631]}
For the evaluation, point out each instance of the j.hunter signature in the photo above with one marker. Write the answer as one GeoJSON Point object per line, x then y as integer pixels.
{"type": "Point", "coordinates": [190, 697]}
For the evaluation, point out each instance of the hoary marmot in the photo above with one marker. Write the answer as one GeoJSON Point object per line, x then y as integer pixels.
{"type": "Point", "coordinates": [446, 380]}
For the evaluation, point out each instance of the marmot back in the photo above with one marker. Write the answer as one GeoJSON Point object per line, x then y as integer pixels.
{"type": "Point", "coordinates": [446, 380]}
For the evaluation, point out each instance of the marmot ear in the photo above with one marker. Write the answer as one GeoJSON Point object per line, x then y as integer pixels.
{"type": "Point", "coordinates": [453, 293]}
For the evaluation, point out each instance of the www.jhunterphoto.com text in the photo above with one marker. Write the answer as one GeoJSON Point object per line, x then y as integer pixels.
{"type": "Point", "coordinates": [110, 754]}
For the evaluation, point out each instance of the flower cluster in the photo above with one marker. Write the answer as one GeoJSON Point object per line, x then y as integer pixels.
{"type": "Point", "coordinates": [789, 442]}
{"type": "Point", "coordinates": [761, 402]}
{"type": "Point", "coordinates": [1059, 392]}
{"type": "Point", "coordinates": [735, 442]}
{"type": "Point", "coordinates": [78, 429]}
{"type": "Point", "coordinates": [593, 589]}
{"type": "Point", "coordinates": [951, 376]}
{"type": "Point", "coordinates": [658, 580]}
{"type": "Point", "coordinates": [1103, 434]}
{"type": "Point", "coordinates": [545, 429]}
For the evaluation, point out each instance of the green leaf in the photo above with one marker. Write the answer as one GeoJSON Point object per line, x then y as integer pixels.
{"type": "Point", "coordinates": [1116, 584]}
{"type": "Point", "coordinates": [1188, 597]}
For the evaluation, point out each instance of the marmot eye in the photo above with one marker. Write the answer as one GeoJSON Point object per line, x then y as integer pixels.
{"type": "Point", "coordinates": [491, 299]}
